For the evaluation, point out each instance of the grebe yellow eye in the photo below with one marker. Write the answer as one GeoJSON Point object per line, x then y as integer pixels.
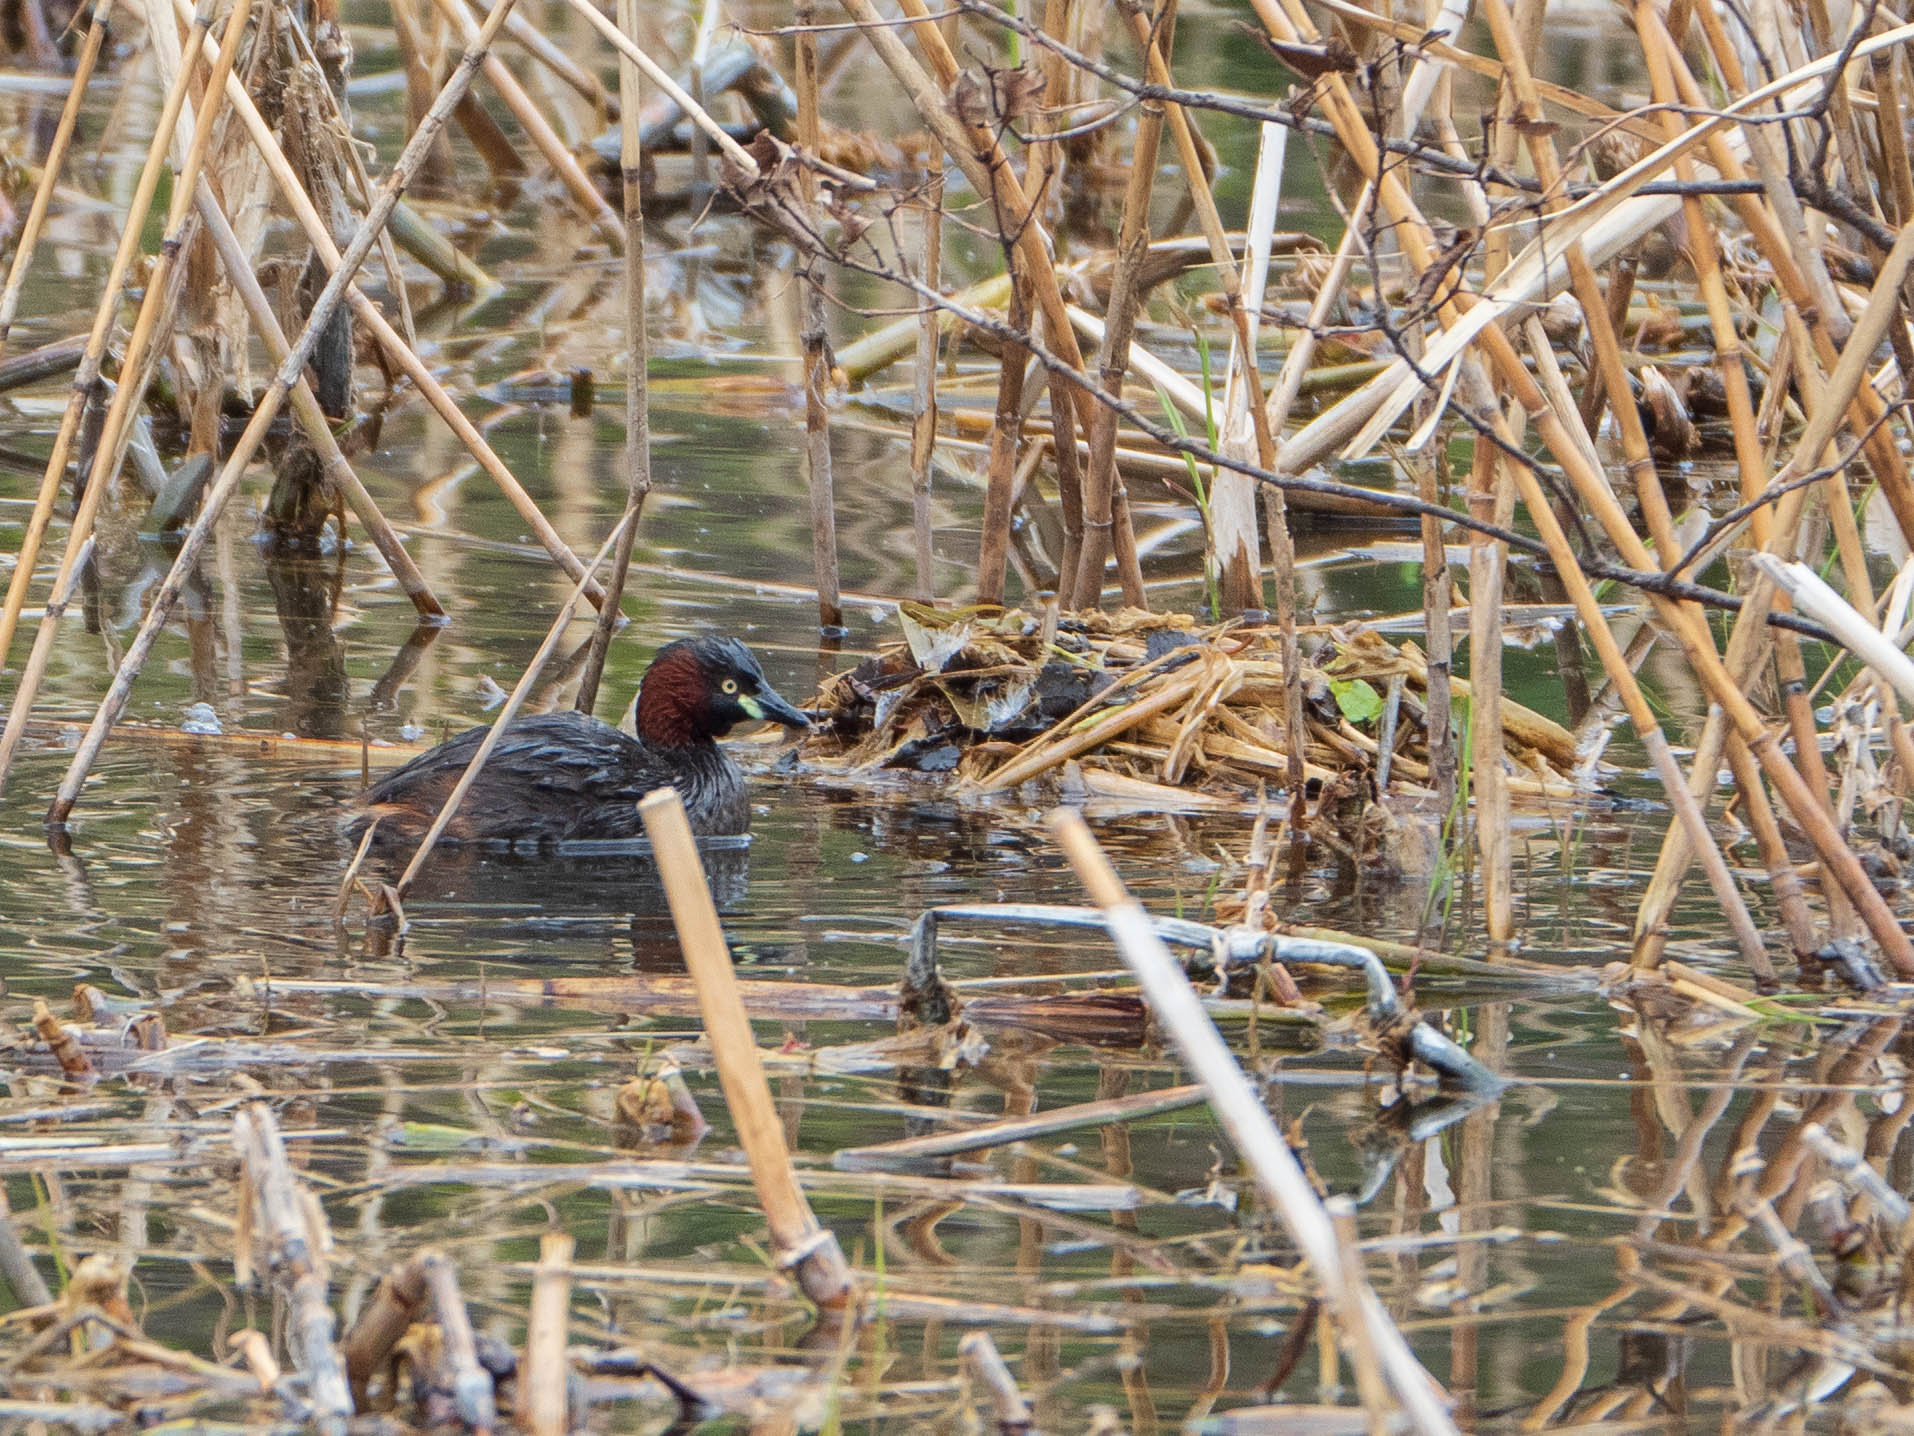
{"type": "Point", "coordinates": [730, 685]}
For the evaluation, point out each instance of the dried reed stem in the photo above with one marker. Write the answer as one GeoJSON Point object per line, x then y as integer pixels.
{"type": "Point", "coordinates": [796, 1237]}
{"type": "Point", "coordinates": [817, 349]}
{"type": "Point", "coordinates": [637, 363]}
{"type": "Point", "coordinates": [542, 1406]}
{"type": "Point", "coordinates": [296, 1257]}
{"type": "Point", "coordinates": [923, 434]}
{"type": "Point", "coordinates": [1101, 484]}
{"type": "Point", "coordinates": [985, 1364]}
{"type": "Point", "coordinates": [472, 1397]}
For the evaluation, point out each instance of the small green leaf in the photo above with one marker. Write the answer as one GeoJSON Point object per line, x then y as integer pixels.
{"type": "Point", "coordinates": [1358, 701]}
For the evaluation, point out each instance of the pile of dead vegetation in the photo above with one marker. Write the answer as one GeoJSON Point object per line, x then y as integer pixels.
{"type": "Point", "coordinates": [1145, 705]}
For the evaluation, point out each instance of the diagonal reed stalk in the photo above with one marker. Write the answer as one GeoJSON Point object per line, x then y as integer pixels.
{"type": "Point", "coordinates": [637, 363]}
{"type": "Point", "coordinates": [506, 713]}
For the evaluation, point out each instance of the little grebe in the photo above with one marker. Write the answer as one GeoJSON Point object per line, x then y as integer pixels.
{"type": "Point", "coordinates": [567, 775]}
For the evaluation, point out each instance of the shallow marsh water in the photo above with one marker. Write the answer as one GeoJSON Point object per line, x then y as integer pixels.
{"type": "Point", "coordinates": [1502, 1245]}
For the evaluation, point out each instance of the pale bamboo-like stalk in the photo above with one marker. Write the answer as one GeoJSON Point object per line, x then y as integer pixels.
{"type": "Point", "coordinates": [797, 1239]}
{"type": "Point", "coordinates": [1696, 641]}
{"type": "Point", "coordinates": [1279, 1176]}
{"type": "Point", "coordinates": [320, 237]}
{"type": "Point", "coordinates": [50, 175]}
{"type": "Point", "coordinates": [637, 363]}
{"type": "Point", "coordinates": [265, 410]}
{"type": "Point", "coordinates": [506, 713]}
{"type": "Point", "coordinates": [88, 374]}
{"type": "Point", "coordinates": [472, 1397]}
{"type": "Point", "coordinates": [923, 434]}
{"type": "Point", "coordinates": [543, 1408]}
{"type": "Point", "coordinates": [817, 348]}
{"type": "Point", "coordinates": [543, 137]}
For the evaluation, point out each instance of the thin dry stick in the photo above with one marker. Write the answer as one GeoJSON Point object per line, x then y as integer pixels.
{"type": "Point", "coordinates": [265, 411]}
{"type": "Point", "coordinates": [278, 1211]}
{"type": "Point", "coordinates": [817, 348]}
{"type": "Point", "coordinates": [55, 161]}
{"type": "Point", "coordinates": [313, 420]}
{"type": "Point", "coordinates": [1278, 1174]}
{"type": "Point", "coordinates": [542, 1407]}
{"type": "Point", "coordinates": [88, 373]}
{"type": "Point", "coordinates": [637, 365]}
{"type": "Point", "coordinates": [1488, 560]}
{"type": "Point", "coordinates": [1101, 483]}
{"type": "Point", "coordinates": [923, 434]}
{"type": "Point", "coordinates": [508, 711]}
{"type": "Point", "coordinates": [986, 1365]}
{"type": "Point", "coordinates": [472, 1396]}
{"type": "Point", "coordinates": [796, 1237]}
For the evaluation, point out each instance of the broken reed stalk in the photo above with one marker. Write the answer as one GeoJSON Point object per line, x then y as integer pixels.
{"type": "Point", "coordinates": [295, 1255]}
{"type": "Point", "coordinates": [312, 420]}
{"type": "Point", "coordinates": [1696, 641]}
{"type": "Point", "coordinates": [1279, 1176]}
{"type": "Point", "coordinates": [397, 1303]}
{"type": "Point", "coordinates": [267, 407]}
{"type": "Point", "coordinates": [637, 363]}
{"type": "Point", "coordinates": [798, 1241]}
{"type": "Point", "coordinates": [472, 1397]}
{"type": "Point", "coordinates": [986, 1366]}
{"type": "Point", "coordinates": [85, 378]}
{"type": "Point", "coordinates": [816, 338]}
{"type": "Point", "coordinates": [1006, 434]}
{"type": "Point", "coordinates": [506, 713]}
{"type": "Point", "coordinates": [543, 1409]}
{"type": "Point", "coordinates": [923, 434]}
{"type": "Point", "coordinates": [319, 235]}
{"type": "Point", "coordinates": [50, 175]}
